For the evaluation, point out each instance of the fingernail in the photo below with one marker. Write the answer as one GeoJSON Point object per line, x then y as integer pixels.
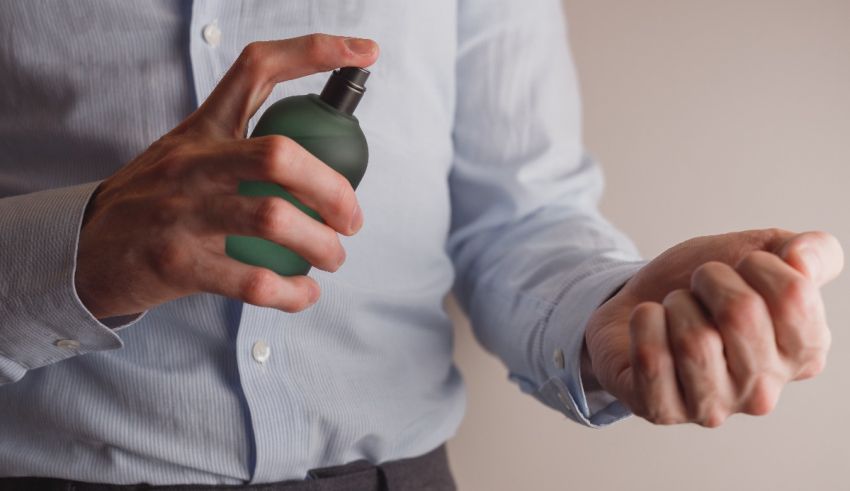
{"type": "Point", "coordinates": [315, 293]}
{"type": "Point", "coordinates": [356, 218]}
{"type": "Point", "coordinates": [360, 46]}
{"type": "Point", "coordinates": [812, 261]}
{"type": "Point", "coordinates": [341, 259]}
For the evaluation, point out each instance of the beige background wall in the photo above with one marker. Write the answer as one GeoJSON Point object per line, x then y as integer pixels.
{"type": "Point", "coordinates": [707, 117]}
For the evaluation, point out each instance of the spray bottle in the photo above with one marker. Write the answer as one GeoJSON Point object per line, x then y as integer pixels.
{"type": "Point", "coordinates": [326, 127]}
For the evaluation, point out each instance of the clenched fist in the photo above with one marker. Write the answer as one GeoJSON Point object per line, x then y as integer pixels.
{"type": "Point", "coordinates": [155, 231]}
{"type": "Point", "coordinates": [716, 325]}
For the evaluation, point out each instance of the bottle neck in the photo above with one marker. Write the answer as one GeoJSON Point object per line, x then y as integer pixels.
{"type": "Point", "coordinates": [345, 102]}
{"type": "Point", "coordinates": [345, 88]}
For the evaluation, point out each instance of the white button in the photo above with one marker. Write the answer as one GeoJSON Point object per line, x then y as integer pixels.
{"type": "Point", "coordinates": [261, 351]}
{"type": "Point", "coordinates": [67, 344]}
{"type": "Point", "coordinates": [558, 358]}
{"type": "Point", "coordinates": [212, 34]}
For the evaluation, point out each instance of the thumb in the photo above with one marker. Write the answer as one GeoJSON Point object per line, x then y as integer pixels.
{"type": "Point", "coordinates": [262, 64]}
{"type": "Point", "coordinates": [818, 255]}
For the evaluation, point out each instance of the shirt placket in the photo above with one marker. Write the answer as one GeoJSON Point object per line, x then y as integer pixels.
{"type": "Point", "coordinates": [278, 432]}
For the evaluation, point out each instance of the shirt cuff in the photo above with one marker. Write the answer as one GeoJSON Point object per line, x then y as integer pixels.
{"type": "Point", "coordinates": [563, 338]}
{"type": "Point", "coordinates": [42, 319]}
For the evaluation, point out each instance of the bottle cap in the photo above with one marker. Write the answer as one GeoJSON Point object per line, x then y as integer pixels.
{"type": "Point", "coordinates": [345, 88]}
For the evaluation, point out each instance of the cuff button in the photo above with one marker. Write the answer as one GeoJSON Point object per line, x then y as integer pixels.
{"type": "Point", "coordinates": [67, 344]}
{"type": "Point", "coordinates": [558, 358]}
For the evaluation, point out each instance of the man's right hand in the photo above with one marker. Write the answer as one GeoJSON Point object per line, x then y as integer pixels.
{"type": "Point", "coordinates": [155, 230]}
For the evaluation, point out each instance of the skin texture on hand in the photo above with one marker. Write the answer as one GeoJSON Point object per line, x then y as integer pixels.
{"type": "Point", "coordinates": [155, 230]}
{"type": "Point", "coordinates": [715, 326]}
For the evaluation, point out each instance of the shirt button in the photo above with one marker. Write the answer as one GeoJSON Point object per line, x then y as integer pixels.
{"type": "Point", "coordinates": [212, 34]}
{"type": "Point", "coordinates": [558, 358]}
{"type": "Point", "coordinates": [67, 344]}
{"type": "Point", "coordinates": [261, 351]}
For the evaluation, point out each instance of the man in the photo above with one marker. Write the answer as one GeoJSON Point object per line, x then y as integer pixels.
{"type": "Point", "coordinates": [133, 350]}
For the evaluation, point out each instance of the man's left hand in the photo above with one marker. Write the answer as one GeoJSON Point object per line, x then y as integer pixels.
{"type": "Point", "coordinates": [716, 325]}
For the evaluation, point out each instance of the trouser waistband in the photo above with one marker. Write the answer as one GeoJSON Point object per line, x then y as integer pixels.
{"type": "Point", "coordinates": [429, 472]}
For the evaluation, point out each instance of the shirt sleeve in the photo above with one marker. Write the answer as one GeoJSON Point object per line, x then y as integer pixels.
{"type": "Point", "coordinates": [533, 256]}
{"type": "Point", "coordinates": [42, 319]}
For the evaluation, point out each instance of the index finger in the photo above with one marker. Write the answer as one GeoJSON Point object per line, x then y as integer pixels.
{"type": "Point", "coordinates": [262, 64]}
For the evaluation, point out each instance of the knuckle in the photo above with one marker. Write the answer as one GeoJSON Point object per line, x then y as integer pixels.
{"type": "Point", "coordinates": [763, 396]}
{"type": "Point", "coordinates": [812, 367]}
{"type": "Point", "coordinates": [279, 147]}
{"type": "Point", "coordinates": [251, 58]}
{"type": "Point", "coordinates": [705, 271]}
{"type": "Point", "coordinates": [642, 315]}
{"type": "Point", "coordinates": [301, 297]}
{"type": "Point", "coordinates": [799, 290]}
{"type": "Point", "coordinates": [660, 414]}
{"type": "Point", "coordinates": [776, 232]}
{"type": "Point", "coordinates": [741, 312]}
{"type": "Point", "coordinates": [772, 235]}
{"type": "Point", "coordinates": [168, 258]}
{"type": "Point", "coordinates": [250, 52]}
{"type": "Point", "coordinates": [676, 296]}
{"type": "Point", "coordinates": [656, 410]}
{"type": "Point", "coordinates": [796, 300]}
{"type": "Point", "coordinates": [714, 417]}
{"type": "Point", "coordinates": [751, 261]}
{"type": "Point", "coordinates": [258, 287]}
{"type": "Point", "coordinates": [272, 217]}
{"type": "Point", "coordinates": [172, 160]}
{"type": "Point", "coordinates": [277, 154]}
{"type": "Point", "coordinates": [315, 46]}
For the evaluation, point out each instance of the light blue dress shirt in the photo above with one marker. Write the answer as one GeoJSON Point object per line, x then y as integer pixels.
{"type": "Point", "coordinates": [477, 180]}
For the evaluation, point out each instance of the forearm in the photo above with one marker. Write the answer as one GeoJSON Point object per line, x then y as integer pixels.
{"type": "Point", "coordinates": [529, 289]}
{"type": "Point", "coordinates": [534, 257]}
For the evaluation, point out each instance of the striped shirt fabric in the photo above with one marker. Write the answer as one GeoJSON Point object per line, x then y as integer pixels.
{"type": "Point", "coordinates": [478, 183]}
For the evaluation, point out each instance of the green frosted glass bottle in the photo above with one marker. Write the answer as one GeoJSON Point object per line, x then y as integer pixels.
{"type": "Point", "coordinates": [326, 127]}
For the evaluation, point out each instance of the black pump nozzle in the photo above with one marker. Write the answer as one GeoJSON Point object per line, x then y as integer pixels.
{"type": "Point", "coordinates": [345, 88]}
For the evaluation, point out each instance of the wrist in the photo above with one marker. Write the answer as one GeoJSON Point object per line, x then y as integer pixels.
{"type": "Point", "coordinates": [86, 294]}
{"type": "Point", "coordinates": [588, 377]}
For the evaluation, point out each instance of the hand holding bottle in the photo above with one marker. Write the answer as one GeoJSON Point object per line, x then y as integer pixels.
{"type": "Point", "coordinates": [155, 230]}
{"type": "Point", "coordinates": [325, 126]}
